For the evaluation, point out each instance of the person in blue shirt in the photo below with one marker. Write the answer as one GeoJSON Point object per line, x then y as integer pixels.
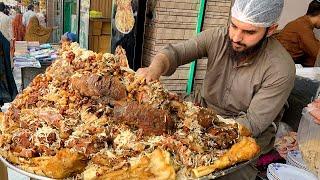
{"type": "Point", "coordinates": [69, 37]}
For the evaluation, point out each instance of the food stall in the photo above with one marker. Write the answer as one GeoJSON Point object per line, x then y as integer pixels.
{"type": "Point", "coordinates": [80, 79]}
{"type": "Point", "coordinates": [89, 117]}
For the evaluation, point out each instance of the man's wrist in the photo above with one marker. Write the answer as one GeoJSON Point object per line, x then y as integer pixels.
{"type": "Point", "coordinates": [157, 65]}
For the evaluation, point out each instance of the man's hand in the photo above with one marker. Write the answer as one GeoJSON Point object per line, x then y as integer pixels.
{"type": "Point", "coordinates": [156, 68]}
{"type": "Point", "coordinates": [149, 74]}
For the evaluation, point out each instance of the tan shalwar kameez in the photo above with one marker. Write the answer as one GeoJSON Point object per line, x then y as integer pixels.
{"type": "Point", "coordinates": [253, 92]}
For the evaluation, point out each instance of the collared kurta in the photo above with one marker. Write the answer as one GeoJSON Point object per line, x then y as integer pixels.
{"type": "Point", "coordinates": [253, 92]}
{"type": "Point", "coordinates": [300, 41]}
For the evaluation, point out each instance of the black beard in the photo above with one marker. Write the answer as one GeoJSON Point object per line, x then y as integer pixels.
{"type": "Point", "coordinates": [247, 53]}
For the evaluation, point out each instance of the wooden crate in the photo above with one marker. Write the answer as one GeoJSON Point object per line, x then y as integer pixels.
{"type": "Point", "coordinates": [104, 43]}
{"type": "Point", "coordinates": [100, 35]}
{"type": "Point", "coordinates": [105, 6]}
{"type": "Point", "coordinates": [106, 28]}
{"type": "Point", "coordinates": [96, 42]}
{"type": "Point", "coordinates": [95, 27]}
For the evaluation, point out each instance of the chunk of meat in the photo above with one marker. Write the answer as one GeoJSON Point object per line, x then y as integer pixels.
{"type": "Point", "coordinates": [95, 85]}
{"type": "Point", "coordinates": [51, 118]}
{"type": "Point", "coordinates": [44, 150]}
{"type": "Point", "coordinates": [222, 138]}
{"type": "Point", "coordinates": [70, 56]}
{"type": "Point", "coordinates": [206, 117]}
{"type": "Point", "coordinates": [153, 121]}
{"type": "Point", "coordinates": [117, 90]}
{"type": "Point", "coordinates": [22, 144]}
{"type": "Point", "coordinates": [50, 139]}
{"type": "Point", "coordinates": [27, 153]}
{"type": "Point", "coordinates": [22, 138]}
{"type": "Point", "coordinates": [87, 145]}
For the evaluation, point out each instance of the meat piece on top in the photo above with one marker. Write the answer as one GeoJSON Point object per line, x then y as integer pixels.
{"type": "Point", "coordinates": [151, 120]}
{"type": "Point", "coordinates": [96, 85]}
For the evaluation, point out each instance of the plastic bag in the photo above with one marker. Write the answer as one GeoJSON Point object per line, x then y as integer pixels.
{"type": "Point", "coordinates": [286, 143]}
{"type": "Point", "coordinates": [309, 142]}
{"type": "Point", "coordinates": [283, 129]}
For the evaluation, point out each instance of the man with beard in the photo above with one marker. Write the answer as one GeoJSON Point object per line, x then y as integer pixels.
{"type": "Point", "coordinates": [249, 74]}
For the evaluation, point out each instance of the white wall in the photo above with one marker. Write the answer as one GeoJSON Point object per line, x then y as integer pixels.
{"type": "Point", "coordinates": [292, 10]}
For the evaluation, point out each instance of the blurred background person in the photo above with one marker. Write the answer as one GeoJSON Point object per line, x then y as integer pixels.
{"type": "Point", "coordinates": [28, 15]}
{"type": "Point", "coordinates": [5, 23]}
{"type": "Point", "coordinates": [19, 29]}
{"type": "Point", "coordinates": [41, 17]}
{"type": "Point", "coordinates": [69, 37]}
{"type": "Point", "coordinates": [299, 39]}
{"type": "Point", "coordinates": [6, 10]}
{"type": "Point", "coordinates": [36, 32]}
{"type": "Point", "coordinates": [13, 12]}
{"type": "Point", "coordinates": [8, 88]}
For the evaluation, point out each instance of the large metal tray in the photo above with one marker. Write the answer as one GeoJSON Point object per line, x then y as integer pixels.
{"type": "Point", "coordinates": [211, 176]}
{"type": "Point", "coordinates": [228, 170]}
{"type": "Point", "coordinates": [31, 175]}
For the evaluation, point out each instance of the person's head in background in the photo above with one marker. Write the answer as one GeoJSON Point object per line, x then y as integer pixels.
{"type": "Point", "coordinates": [2, 7]}
{"type": "Point", "coordinates": [18, 10]}
{"type": "Point", "coordinates": [36, 7]}
{"type": "Point", "coordinates": [313, 13]}
{"type": "Point", "coordinates": [68, 37]}
{"type": "Point", "coordinates": [30, 7]}
{"type": "Point", "coordinates": [7, 10]}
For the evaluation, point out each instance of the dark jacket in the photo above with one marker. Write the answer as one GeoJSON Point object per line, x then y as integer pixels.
{"type": "Point", "coordinates": [8, 88]}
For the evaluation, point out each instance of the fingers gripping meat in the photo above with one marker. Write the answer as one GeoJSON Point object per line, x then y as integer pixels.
{"type": "Point", "coordinates": [96, 85]}
{"type": "Point", "coordinates": [150, 120]}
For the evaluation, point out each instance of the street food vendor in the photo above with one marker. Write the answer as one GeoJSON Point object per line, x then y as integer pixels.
{"type": "Point", "coordinates": [249, 73]}
{"type": "Point", "coordinates": [298, 36]}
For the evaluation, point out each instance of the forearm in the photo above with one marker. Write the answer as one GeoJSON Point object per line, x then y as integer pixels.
{"type": "Point", "coordinates": [187, 51]}
{"type": "Point", "coordinates": [160, 64]}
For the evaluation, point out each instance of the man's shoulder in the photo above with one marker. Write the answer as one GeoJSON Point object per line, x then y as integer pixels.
{"type": "Point", "coordinates": [298, 24]}
{"type": "Point", "coordinates": [278, 59]}
{"type": "Point", "coordinates": [216, 35]}
{"type": "Point", "coordinates": [275, 49]}
{"type": "Point", "coordinates": [218, 30]}
{"type": "Point", "coordinates": [300, 20]}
